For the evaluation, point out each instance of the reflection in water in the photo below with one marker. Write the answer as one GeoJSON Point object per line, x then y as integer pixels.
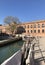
{"type": "Point", "coordinates": [7, 51]}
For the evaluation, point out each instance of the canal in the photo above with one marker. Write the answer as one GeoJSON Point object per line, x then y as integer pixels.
{"type": "Point", "coordinates": [9, 50]}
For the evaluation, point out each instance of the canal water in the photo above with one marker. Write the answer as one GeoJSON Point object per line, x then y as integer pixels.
{"type": "Point", "coordinates": [9, 50]}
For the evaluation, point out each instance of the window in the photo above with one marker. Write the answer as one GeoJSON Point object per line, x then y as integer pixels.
{"type": "Point", "coordinates": [31, 26]}
{"type": "Point", "coordinates": [28, 31]}
{"type": "Point", "coordinates": [38, 31]}
{"type": "Point", "coordinates": [28, 26]}
{"type": "Point", "coordinates": [34, 25]}
{"type": "Point", "coordinates": [34, 31]}
{"type": "Point", "coordinates": [31, 31]}
{"type": "Point", "coordinates": [42, 30]}
{"type": "Point", "coordinates": [38, 25]}
{"type": "Point", "coordinates": [42, 25]}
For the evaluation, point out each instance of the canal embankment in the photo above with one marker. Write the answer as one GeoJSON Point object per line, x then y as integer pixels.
{"type": "Point", "coordinates": [15, 59]}
{"type": "Point", "coordinates": [9, 41]}
{"type": "Point", "coordinates": [8, 50]}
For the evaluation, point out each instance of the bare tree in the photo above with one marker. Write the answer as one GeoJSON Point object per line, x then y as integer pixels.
{"type": "Point", "coordinates": [12, 23]}
{"type": "Point", "coordinates": [10, 19]}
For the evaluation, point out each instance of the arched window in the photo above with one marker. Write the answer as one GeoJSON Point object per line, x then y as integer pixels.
{"type": "Point", "coordinates": [38, 25]}
{"type": "Point", "coordinates": [38, 31]}
{"type": "Point", "coordinates": [43, 25]}
{"type": "Point", "coordinates": [34, 31]}
{"type": "Point", "coordinates": [31, 26]}
{"type": "Point", "coordinates": [34, 25]}
{"type": "Point", "coordinates": [31, 31]}
{"type": "Point", "coordinates": [42, 30]}
{"type": "Point", "coordinates": [28, 26]}
{"type": "Point", "coordinates": [28, 31]}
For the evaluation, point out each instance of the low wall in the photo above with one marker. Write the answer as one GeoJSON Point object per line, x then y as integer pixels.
{"type": "Point", "coordinates": [14, 59]}
{"type": "Point", "coordinates": [9, 41]}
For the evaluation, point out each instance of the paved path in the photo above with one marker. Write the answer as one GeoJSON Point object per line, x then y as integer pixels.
{"type": "Point", "coordinates": [39, 54]}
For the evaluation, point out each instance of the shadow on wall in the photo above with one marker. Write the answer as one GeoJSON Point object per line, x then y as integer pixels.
{"type": "Point", "coordinates": [3, 36]}
{"type": "Point", "coordinates": [20, 30]}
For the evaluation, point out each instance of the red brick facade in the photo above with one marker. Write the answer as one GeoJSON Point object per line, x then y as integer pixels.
{"type": "Point", "coordinates": [36, 28]}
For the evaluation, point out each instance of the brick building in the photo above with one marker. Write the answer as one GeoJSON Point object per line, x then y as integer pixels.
{"type": "Point", "coordinates": [35, 28]}
{"type": "Point", "coordinates": [2, 29]}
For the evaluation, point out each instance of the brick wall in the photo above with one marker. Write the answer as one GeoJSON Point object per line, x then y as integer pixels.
{"type": "Point", "coordinates": [36, 28]}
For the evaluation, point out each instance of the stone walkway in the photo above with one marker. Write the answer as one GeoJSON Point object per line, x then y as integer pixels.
{"type": "Point", "coordinates": [39, 51]}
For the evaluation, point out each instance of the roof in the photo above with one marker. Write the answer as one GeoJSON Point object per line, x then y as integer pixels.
{"type": "Point", "coordinates": [28, 22]}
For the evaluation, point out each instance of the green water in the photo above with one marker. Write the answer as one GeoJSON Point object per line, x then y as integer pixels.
{"type": "Point", "coordinates": [7, 51]}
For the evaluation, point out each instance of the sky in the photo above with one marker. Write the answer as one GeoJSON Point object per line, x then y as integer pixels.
{"type": "Point", "coordinates": [25, 10]}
